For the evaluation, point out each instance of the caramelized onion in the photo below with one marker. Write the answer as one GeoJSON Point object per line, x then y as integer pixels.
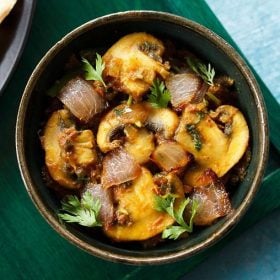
{"type": "Point", "coordinates": [185, 88]}
{"type": "Point", "coordinates": [212, 198]}
{"type": "Point", "coordinates": [106, 199]}
{"type": "Point", "coordinates": [81, 99]}
{"type": "Point", "coordinates": [170, 156]}
{"type": "Point", "coordinates": [119, 167]}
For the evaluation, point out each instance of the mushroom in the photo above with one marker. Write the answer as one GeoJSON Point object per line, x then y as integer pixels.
{"type": "Point", "coordinates": [133, 62]}
{"type": "Point", "coordinates": [168, 183]}
{"type": "Point", "coordinates": [139, 143]}
{"type": "Point", "coordinates": [68, 152]}
{"type": "Point", "coordinates": [116, 119]}
{"type": "Point", "coordinates": [163, 121]}
{"type": "Point", "coordinates": [137, 203]}
{"type": "Point", "coordinates": [217, 140]}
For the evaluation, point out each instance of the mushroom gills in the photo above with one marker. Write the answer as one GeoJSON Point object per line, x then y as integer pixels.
{"type": "Point", "coordinates": [116, 119]}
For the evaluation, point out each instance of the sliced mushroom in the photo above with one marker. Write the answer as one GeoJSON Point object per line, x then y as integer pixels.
{"type": "Point", "coordinates": [133, 62]}
{"type": "Point", "coordinates": [168, 183]}
{"type": "Point", "coordinates": [163, 121]}
{"type": "Point", "coordinates": [218, 146]}
{"type": "Point", "coordinates": [137, 202]}
{"type": "Point", "coordinates": [68, 152]}
{"type": "Point", "coordinates": [139, 143]}
{"type": "Point", "coordinates": [116, 119]}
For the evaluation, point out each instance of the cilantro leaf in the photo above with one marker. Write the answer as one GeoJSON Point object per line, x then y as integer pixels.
{"type": "Point", "coordinates": [159, 96]}
{"type": "Point", "coordinates": [84, 212]}
{"type": "Point", "coordinates": [195, 206]}
{"type": "Point", "coordinates": [94, 74]}
{"type": "Point", "coordinates": [179, 214]}
{"type": "Point", "coordinates": [162, 203]}
{"type": "Point", "coordinates": [207, 73]}
{"type": "Point", "coordinates": [173, 232]}
{"type": "Point", "coordinates": [166, 204]}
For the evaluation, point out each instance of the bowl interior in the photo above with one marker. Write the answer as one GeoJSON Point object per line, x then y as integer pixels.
{"type": "Point", "coordinates": [100, 35]}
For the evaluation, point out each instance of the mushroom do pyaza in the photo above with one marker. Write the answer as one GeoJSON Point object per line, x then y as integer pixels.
{"type": "Point", "coordinates": [145, 142]}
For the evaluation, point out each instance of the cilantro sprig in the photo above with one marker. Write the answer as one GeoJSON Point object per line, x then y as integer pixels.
{"type": "Point", "coordinates": [84, 212]}
{"type": "Point", "coordinates": [207, 73]}
{"type": "Point", "coordinates": [166, 204]}
{"type": "Point", "coordinates": [159, 96]}
{"type": "Point", "coordinates": [94, 74]}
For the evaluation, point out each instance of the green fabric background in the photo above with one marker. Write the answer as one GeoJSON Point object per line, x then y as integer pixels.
{"type": "Point", "coordinates": [29, 247]}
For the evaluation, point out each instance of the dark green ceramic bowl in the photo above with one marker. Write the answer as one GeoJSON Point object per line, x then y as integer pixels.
{"type": "Point", "coordinates": [101, 33]}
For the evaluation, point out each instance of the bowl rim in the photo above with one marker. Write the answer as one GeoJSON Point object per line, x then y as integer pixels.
{"type": "Point", "coordinates": [220, 43]}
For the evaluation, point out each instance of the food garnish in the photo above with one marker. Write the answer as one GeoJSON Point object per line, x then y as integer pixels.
{"type": "Point", "coordinates": [84, 212]}
{"type": "Point", "coordinates": [167, 204]}
{"type": "Point", "coordinates": [207, 73]}
{"type": "Point", "coordinates": [94, 74]}
{"type": "Point", "coordinates": [159, 96]}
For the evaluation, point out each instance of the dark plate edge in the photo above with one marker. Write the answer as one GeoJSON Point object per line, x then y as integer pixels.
{"type": "Point", "coordinates": [23, 40]}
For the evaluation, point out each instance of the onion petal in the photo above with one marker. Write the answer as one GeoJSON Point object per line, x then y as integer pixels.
{"type": "Point", "coordinates": [170, 156]}
{"type": "Point", "coordinates": [106, 199]}
{"type": "Point", "coordinates": [185, 88]}
{"type": "Point", "coordinates": [119, 167]}
{"type": "Point", "coordinates": [212, 198]}
{"type": "Point", "coordinates": [81, 99]}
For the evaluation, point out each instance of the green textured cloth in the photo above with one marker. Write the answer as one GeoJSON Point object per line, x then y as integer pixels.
{"type": "Point", "coordinates": [29, 247]}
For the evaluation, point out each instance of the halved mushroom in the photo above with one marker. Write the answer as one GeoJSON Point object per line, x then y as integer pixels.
{"type": "Point", "coordinates": [164, 121]}
{"type": "Point", "coordinates": [139, 143]}
{"type": "Point", "coordinates": [133, 62]}
{"type": "Point", "coordinates": [116, 119]}
{"type": "Point", "coordinates": [68, 152]}
{"type": "Point", "coordinates": [218, 146]}
{"type": "Point", "coordinates": [137, 202]}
